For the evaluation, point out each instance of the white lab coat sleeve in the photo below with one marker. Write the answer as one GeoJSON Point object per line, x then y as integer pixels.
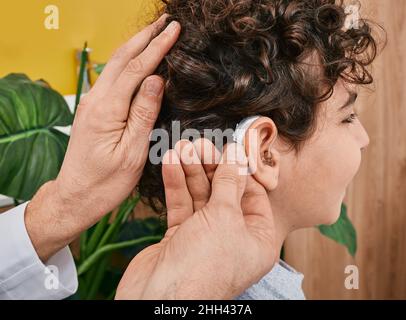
{"type": "Point", "coordinates": [22, 273]}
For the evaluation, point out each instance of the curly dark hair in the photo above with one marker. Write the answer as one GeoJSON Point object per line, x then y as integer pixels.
{"type": "Point", "coordinates": [238, 58]}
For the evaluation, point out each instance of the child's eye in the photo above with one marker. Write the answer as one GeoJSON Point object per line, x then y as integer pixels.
{"type": "Point", "coordinates": [351, 118]}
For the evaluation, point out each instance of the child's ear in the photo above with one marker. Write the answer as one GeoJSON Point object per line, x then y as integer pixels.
{"type": "Point", "coordinates": [262, 156]}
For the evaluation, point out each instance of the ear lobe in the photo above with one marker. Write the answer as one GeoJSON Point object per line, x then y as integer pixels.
{"type": "Point", "coordinates": [262, 156]}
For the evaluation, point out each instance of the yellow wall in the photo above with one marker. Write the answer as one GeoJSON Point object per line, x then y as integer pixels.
{"type": "Point", "coordinates": [27, 46]}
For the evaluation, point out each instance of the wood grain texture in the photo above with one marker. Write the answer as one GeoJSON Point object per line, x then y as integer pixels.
{"type": "Point", "coordinates": [377, 197]}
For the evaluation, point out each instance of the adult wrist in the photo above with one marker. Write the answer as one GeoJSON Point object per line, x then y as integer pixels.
{"type": "Point", "coordinates": [50, 221]}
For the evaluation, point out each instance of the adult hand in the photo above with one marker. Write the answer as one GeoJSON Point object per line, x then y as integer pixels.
{"type": "Point", "coordinates": [212, 249]}
{"type": "Point", "coordinates": [109, 143]}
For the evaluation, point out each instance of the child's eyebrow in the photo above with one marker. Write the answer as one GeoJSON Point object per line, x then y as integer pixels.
{"type": "Point", "coordinates": [351, 100]}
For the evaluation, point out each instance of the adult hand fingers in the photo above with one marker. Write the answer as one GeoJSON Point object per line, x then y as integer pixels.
{"type": "Point", "coordinates": [142, 115]}
{"type": "Point", "coordinates": [142, 66]}
{"type": "Point", "coordinates": [196, 179]}
{"type": "Point", "coordinates": [255, 200]}
{"type": "Point", "coordinates": [209, 156]}
{"type": "Point", "coordinates": [230, 178]}
{"type": "Point", "coordinates": [124, 54]}
{"type": "Point", "coordinates": [258, 214]}
{"type": "Point", "coordinates": [178, 200]}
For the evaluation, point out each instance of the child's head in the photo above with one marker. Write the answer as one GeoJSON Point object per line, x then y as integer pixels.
{"type": "Point", "coordinates": [295, 63]}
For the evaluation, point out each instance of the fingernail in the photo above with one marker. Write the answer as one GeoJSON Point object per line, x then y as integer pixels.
{"type": "Point", "coordinates": [153, 87]}
{"type": "Point", "coordinates": [172, 27]}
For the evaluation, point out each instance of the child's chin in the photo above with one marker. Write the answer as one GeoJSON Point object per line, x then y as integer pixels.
{"type": "Point", "coordinates": [332, 221]}
{"type": "Point", "coordinates": [333, 217]}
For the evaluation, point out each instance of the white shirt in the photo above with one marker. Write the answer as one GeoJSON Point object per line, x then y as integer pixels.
{"type": "Point", "coordinates": [22, 274]}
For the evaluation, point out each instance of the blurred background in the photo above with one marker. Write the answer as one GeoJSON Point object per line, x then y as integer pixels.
{"type": "Point", "coordinates": [376, 200]}
{"type": "Point", "coordinates": [27, 46]}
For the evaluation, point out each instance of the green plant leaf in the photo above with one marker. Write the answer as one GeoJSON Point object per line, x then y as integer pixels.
{"type": "Point", "coordinates": [84, 57]}
{"type": "Point", "coordinates": [126, 208]}
{"type": "Point", "coordinates": [31, 150]}
{"type": "Point", "coordinates": [342, 232]}
{"type": "Point", "coordinates": [95, 257]}
{"type": "Point", "coordinates": [98, 68]}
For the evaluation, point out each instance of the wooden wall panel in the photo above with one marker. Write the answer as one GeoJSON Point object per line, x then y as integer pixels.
{"type": "Point", "coordinates": [377, 197]}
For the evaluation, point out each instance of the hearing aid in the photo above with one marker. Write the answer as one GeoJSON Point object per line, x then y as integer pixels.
{"type": "Point", "coordinates": [239, 135]}
{"type": "Point", "coordinates": [241, 129]}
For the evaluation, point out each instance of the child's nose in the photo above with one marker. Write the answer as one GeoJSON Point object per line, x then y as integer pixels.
{"type": "Point", "coordinates": [364, 138]}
